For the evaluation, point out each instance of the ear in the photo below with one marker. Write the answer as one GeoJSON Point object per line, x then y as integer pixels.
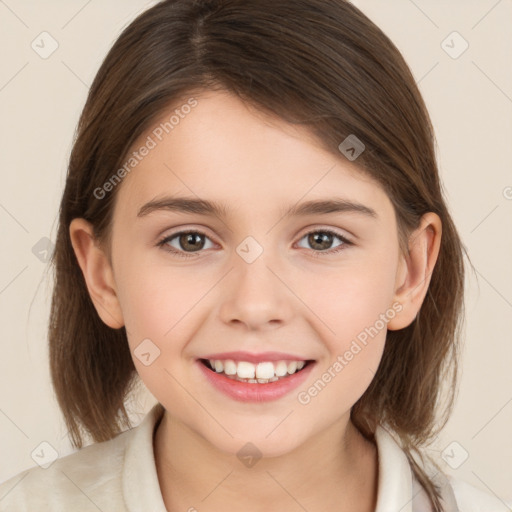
{"type": "Point", "coordinates": [97, 271]}
{"type": "Point", "coordinates": [415, 270]}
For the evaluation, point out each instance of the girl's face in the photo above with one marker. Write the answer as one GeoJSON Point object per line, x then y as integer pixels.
{"type": "Point", "coordinates": [254, 279]}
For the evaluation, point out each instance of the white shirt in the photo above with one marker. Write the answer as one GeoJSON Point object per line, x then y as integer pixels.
{"type": "Point", "coordinates": [120, 475]}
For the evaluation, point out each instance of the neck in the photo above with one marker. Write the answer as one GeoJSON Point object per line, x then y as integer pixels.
{"type": "Point", "coordinates": [335, 470]}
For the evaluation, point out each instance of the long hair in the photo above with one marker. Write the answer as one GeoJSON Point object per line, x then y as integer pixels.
{"type": "Point", "coordinates": [318, 63]}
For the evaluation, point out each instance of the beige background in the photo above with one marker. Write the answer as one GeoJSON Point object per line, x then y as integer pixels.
{"type": "Point", "coordinates": [470, 101]}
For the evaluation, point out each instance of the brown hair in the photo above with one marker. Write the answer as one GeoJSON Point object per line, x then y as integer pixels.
{"type": "Point", "coordinates": [319, 63]}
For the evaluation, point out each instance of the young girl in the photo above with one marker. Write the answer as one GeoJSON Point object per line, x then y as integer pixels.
{"type": "Point", "coordinates": [253, 224]}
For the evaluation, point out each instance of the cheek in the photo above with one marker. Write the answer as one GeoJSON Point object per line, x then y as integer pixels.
{"type": "Point", "coordinates": [352, 299]}
{"type": "Point", "coordinates": [160, 308]}
{"type": "Point", "coordinates": [155, 298]}
{"type": "Point", "coordinates": [353, 305]}
{"type": "Point", "coordinates": [356, 310]}
{"type": "Point", "coordinates": [157, 308]}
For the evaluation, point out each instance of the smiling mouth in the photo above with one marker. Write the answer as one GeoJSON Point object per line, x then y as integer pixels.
{"type": "Point", "coordinates": [261, 373]}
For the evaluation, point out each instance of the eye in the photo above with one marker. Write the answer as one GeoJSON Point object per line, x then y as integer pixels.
{"type": "Point", "coordinates": [190, 242]}
{"type": "Point", "coordinates": [321, 239]}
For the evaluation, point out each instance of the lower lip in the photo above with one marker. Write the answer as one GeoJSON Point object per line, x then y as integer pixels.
{"type": "Point", "coordinates": [251, 392]}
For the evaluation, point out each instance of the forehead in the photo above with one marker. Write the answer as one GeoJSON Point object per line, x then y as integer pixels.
{"type": "Point", "coordinates": [225, 150]}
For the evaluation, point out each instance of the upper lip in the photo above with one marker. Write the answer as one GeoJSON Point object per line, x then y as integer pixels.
{"type": "Point", "coordinates": [255, 358]}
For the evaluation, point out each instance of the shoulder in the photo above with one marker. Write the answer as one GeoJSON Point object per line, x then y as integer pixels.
{"type": "Point", "coordinates": [457, 496]}
{"type": "Point", "coordinates": [471, 499]}
{"type": "Point", "coordinates": [78, 481]}
{"type": "Point", "coordinates": [396, 476]}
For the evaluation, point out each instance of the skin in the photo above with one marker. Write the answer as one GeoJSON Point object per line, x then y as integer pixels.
{"type": "Point", "coordinates": [286, 300]}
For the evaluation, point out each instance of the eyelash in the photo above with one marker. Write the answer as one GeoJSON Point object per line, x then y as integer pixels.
{"type": "Point", "coordinates": [316, 254]}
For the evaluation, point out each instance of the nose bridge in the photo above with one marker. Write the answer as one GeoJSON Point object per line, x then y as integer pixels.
{"type": "Point", "coordinates": [256, 295]}
{"type": "Point", "coordinates": [253, 261]}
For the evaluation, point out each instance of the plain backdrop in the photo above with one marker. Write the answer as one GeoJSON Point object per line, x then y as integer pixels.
{"type": "Point", "coordinates": [468, 92]}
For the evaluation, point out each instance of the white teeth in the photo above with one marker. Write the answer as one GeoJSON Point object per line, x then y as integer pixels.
{"type": "Point", "coordinates": [256, 373]}
{"type": "Point", "coordinates": [265, 370]}
{"type": "Point", "coordinates": [245, 370]}
{"type": "Point", "coordinates": [281, 369]}
{"type": "Point", "coordinates": [292, 367]}
{"type": "Point", "coordinates": [229, 367]}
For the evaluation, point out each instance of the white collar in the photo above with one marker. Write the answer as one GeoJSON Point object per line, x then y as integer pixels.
{"type": "Point", "coordinates": [141, 489]}
{"type": "Point", "coordinates": [395, 476]}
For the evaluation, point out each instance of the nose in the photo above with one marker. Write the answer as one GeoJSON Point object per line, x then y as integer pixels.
{"type": "Point", "coordinates": [257, 295]}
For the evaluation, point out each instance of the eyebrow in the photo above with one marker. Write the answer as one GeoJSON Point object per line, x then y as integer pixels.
{"type": "Point", "coordinates": [205, 207]}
